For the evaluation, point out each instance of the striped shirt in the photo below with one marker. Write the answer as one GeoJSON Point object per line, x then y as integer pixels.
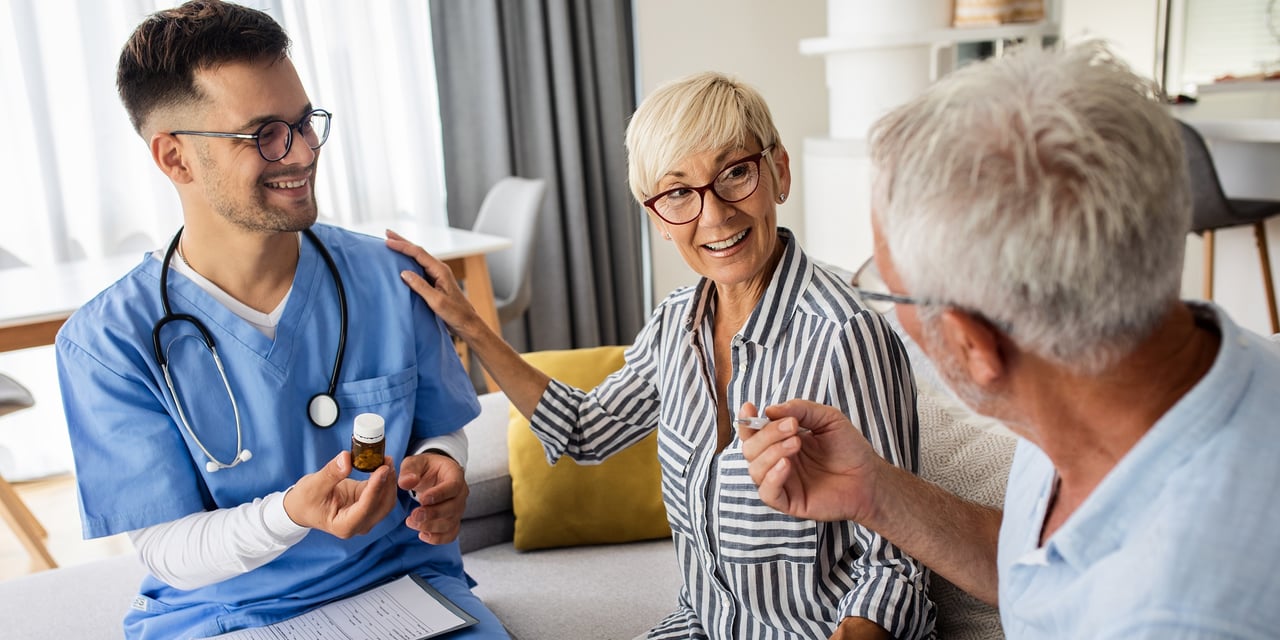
{"type": "Point", "coordinates": [750, 571]}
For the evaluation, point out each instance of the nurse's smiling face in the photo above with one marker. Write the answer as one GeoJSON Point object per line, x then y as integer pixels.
{"type": "Point", "coordinates": [235, 181]}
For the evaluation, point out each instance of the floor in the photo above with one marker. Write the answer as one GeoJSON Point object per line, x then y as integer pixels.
{"type": "Point", "coordinates": [53, 501]}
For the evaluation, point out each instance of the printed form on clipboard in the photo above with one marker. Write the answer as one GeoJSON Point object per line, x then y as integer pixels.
{"type": "Point", "coordinates": [404, 609]}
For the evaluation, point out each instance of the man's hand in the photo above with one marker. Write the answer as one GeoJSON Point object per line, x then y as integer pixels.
{"type": "Point", "coordinates": [826, 474]}
{"type": "Point", "coordinates": [859, 629]}
{"type": "Point", "coordinates": [330, 501]}
{"type": "Point", "coordinates": [441, 487]}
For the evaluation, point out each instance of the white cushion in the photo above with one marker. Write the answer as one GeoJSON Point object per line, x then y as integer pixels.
{"type": "Point", "coordinates": [966, 456]}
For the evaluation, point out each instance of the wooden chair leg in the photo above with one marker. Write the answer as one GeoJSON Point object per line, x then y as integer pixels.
{"type": "Point", "coordinates": [25, 526]}
{"type": "Point", "coordinates": [1208, 264]}
{"type": "Point", "coordinates": [1260, 234]}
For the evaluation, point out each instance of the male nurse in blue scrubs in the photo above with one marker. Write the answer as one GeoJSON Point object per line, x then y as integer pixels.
{"type": "Point", "coordinates": [229, 467]}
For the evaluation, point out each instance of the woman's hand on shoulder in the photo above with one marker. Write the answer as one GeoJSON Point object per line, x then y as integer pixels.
{"type": "Point", "coordinates": [437, 286]}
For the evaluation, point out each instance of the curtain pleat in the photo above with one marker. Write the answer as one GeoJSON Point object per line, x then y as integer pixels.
{"type": "Point", "coordinates": [543, 89]}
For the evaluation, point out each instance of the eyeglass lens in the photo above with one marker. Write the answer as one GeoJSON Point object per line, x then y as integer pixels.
{"type": "Point", "coordinates": [735, 183]}
{"type": "Point", "coordinates": [275, 138]}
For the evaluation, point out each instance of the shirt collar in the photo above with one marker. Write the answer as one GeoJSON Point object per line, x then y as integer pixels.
{"type": "Point", "coordinates": [1100, 524]}
{"type": "Point", "coordinates": [773, 313]}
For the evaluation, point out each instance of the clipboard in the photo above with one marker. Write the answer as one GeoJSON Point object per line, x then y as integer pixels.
{"type": "Point", "coordinates": [407, 608]}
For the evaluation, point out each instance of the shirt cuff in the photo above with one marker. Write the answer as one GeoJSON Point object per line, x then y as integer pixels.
{"type": "Point", "coordinates": [277, 520]}
{"type": "Point", "coordinates": [453, 445]}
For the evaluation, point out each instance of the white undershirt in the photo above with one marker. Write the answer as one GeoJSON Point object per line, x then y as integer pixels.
{"type": "Point", "coordinates": [211, 546]}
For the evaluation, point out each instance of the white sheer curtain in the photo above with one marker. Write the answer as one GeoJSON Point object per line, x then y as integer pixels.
{"type": "Point", "coordinates": [76, 181]}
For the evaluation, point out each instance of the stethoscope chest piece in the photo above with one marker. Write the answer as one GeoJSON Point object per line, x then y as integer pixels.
{"type": "Point", "coordinates": [323, 410]}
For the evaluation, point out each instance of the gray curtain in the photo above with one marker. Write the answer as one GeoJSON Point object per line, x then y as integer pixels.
{"type": "Point", "coordinates": [543, 89]}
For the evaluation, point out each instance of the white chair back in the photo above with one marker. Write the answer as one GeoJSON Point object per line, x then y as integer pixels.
{"type": "Point", "coordinates": [510, 210]}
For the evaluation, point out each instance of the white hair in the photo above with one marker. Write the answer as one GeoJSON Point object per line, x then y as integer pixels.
{"type": "Point", "coordinates": [1046, 191]}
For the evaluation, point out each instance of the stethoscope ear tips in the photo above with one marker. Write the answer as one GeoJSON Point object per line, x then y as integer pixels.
{"type": "Point", "coordinates": [244, 456]}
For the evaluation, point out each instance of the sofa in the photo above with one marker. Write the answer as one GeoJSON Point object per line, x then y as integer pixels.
{"type": "Point", "coordinates": [577, 592]}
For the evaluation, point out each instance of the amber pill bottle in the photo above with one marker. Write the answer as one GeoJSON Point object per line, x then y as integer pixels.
{"type": "Point", "coordinates": [368, 443]}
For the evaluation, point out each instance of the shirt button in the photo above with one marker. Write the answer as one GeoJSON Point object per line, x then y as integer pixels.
{"type": "Point", "coordinates": [742, 368]}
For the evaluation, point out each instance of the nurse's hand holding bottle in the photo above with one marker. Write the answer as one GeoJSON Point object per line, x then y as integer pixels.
{"type": "Point", "coordinates": [332, 502]}
{"type": "Point", "coordinates": [440, 485]}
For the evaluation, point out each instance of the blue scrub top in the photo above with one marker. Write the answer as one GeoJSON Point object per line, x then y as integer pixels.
{"type": "Point", "coordinates": [136, 466]}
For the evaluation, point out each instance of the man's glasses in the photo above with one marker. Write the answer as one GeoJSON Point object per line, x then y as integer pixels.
{"type": "Point", "coordinates": [735, 183]}
{"type": "Point", "coordinates": [275, 137]}
{"type": "Point", "coordinates": [874, 292]}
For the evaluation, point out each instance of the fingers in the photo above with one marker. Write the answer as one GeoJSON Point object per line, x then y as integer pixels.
{"type": "Point", "coordinates": [811, 416]}
{"type": "Point", "coordinates": [773, 485]}
{"type": "Point", "coordinates": [748, 410]}
{"type": "Point", "coordinates": [438, 274]}
{"type": "Point", "coordinates": [375, 500]}
{"type": "Point", "coordinates": [768, 447]}
{"type": "Point", "coordinates": [764, 441]}
{"type": "Point", "coordinates": [398, 243]}
{"type": "Point", "coordinates": [308, 502]}
{"type": "Point", "coordinates": [438, 523]}
{"type": "Point", "coordinates": [411, 471]}
{"type": "Point", "coordinates": [433, 477]}
{"type": "Point", "coordinates": [441, 489]}
{"type": "Point", "coordinates": [337, 469]}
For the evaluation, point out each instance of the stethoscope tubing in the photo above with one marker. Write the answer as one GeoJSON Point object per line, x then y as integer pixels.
{"type": "Point", "coordinates": [162, 359]}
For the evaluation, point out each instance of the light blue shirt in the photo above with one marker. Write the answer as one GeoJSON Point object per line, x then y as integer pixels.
{"type": "Point", "coordinates": [1181, 539]}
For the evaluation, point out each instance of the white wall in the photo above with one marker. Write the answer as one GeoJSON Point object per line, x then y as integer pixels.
{"type": "Point", "coordinates": [1128, 25]}
{"type": "Point", "coordinates": [756, 41]}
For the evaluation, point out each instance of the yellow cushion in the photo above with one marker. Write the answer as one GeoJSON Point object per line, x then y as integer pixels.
{"type": "Point", "coordinates": [567, 504]}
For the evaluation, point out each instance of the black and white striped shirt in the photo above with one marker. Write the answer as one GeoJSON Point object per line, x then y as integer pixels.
{"type": "Point", "coordinates": [750, 571]}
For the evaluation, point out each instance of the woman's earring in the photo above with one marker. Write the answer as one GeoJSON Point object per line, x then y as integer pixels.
{"type": "Point", "coordinates": [782, 197]}
{"type": "Point", "coordinates": [666, 235]}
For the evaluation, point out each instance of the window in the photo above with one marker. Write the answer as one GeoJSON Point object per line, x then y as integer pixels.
{"type": "Point", "coordinates": [1214, 38]}
{"type": "Point", "coordinates": [78, 182]}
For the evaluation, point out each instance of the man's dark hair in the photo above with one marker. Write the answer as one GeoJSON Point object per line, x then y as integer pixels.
{"type": "Point", "coordinates": [158, 63]}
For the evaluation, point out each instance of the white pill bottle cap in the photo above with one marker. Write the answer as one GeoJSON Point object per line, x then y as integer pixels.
{"type": "Point", "coordinates": [368, 428]}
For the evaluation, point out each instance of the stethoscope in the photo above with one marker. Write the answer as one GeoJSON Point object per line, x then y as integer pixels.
{"type": "Point", "coordinates": [322, 409]}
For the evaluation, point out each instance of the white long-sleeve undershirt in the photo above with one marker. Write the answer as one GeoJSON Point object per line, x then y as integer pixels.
{"type": "Point", "coordinates": [211, 546]}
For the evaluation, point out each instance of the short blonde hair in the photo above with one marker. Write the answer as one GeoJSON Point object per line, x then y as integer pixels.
{"type": "Point", "coordinates": [702, 112]}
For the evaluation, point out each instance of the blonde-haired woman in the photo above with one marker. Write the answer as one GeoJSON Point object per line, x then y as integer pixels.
{"type": "Point", "coordinates": [763, 325]}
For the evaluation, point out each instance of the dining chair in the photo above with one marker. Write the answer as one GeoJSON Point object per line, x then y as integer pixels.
{"type": "Point", "coordinates": [1211, 210]}
{"type": "Point", "coordinates": [30, 533]}
{"type": "Point", "coordinates": [510, 210]}
{"type": "Point", "coordinates": [10, 261]}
